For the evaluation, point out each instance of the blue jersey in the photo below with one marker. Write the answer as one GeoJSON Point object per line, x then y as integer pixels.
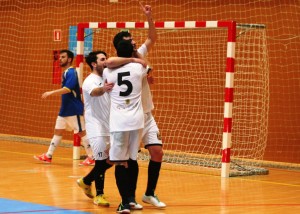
{"type": "Point", "coordinates": [71, 103]}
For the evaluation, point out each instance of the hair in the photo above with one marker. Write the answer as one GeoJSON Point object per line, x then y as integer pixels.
{"type": "Point", "coordinates": [119, 37]}
{"type": "Point", "coordinates": [92, 57]}
{"type": "Point", "coordinates": [69, 53]}
{"type": "Point", "coordinates": [125, 49]}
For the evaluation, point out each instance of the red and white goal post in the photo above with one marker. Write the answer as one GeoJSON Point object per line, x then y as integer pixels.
{"type": "Point", "coordinates": [229, 62]}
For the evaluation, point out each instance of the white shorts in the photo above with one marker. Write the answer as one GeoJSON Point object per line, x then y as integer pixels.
{"type": "Point", "coordinates": [151, 135]}
{"type": "Point", "coordinates": [100, 146]}
{"type": "Point", "coordinates": [124, 145]}
{"type": "Point", "coordinates": [71, 123]}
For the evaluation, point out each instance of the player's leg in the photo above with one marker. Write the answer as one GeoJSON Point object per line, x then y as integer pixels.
{"type": "Point", "coordinates": [87, 147]}
{"type": "Point", "coordinates": [153, 175]}
{"type": "Point", "coordinates": [119, 155]}
{"type": "Point", "coordinates": [133, 169]}
{"type": "Point", "coordinates": [152, 141]}
{"type": "Point", "coordinates": [97, 174]}
{"type": "Point", "coordinates": [60, 126]}
{"type": "Point", "coordinates": [100, 151]}
{"type": "Point", "coordinates": [154, 166]}
{"type": "Point", "coordinates": [134, 146]}
{"type": "Point", "coordinates": [78, 125]}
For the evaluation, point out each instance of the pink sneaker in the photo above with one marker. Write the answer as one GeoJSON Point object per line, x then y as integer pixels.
{"type": "Point", "coordinates": [43, 157]}
{"type": "Point", "coordinates": [87, 162]}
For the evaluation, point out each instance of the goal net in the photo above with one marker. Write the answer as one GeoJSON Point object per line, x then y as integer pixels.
{"type": "Point", "coordinates": [27, 70]}
{"type": "Point", "coordinates": [189, 68]}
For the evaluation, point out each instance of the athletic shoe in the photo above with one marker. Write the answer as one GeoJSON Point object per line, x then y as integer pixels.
{"type": "Point", "coordinates": [154, 201]}
{"type": "Point", "coordinates": [87, 162]}
{"type": "Point", "coordinates": [86, 188]}
{"type": "Point", "coordinates": [43, 157]}
{"type": "Point", "coordinates": [124, 209]}
{"type": "Point", "coordinates": [101, 201]}
{"type": "Point", "coordinates": [134, 205]}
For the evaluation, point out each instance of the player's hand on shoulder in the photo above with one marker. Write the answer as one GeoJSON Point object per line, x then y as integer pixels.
{"type": "Point", "coordinates": [108, 86]}
{"type": "Point", "coordinates": [141, 61]}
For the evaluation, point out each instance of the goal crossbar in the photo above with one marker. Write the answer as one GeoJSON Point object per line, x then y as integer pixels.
{"type": "Point", "coordinates": [229, 78]}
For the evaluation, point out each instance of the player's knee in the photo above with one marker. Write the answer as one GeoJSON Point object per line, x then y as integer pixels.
{"type": "Point", "coordinates": [156, 153]}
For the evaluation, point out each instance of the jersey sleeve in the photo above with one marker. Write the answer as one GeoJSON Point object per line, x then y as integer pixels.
{"type": "Point", "coordinates": [71, 79]}
{"type": "Point", "coordinates": [141, 68]}
{"type": "Point", "coordinates": [142, 50]}
{"type": "Point", "coordinates": [144, 70]}
{"type": "Point", "coordinates": [88, 86]}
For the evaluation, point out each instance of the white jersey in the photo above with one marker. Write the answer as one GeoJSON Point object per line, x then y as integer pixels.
{"type": "Point", "coordinates": [96, 108]}
{"type": "Point", "coordinates": [126, 112]}
{"type": "Point", "coordinates": [147, 102]}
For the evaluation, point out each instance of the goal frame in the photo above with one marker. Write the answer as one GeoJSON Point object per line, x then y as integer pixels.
{"type": "Point", "coordinates": [229, 79]}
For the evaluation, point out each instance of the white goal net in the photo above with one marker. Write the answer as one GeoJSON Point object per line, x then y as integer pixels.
{"type": "Point", "coordinates": [189, 69]}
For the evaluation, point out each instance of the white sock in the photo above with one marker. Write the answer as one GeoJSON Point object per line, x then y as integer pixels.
{"type": "Point", "coordinates": [87, 146]}
{"type": "Point", "coordinates": [54, 143]}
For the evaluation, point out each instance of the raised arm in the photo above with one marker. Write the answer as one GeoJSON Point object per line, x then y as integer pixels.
{"type": "Point", "coordinates": [152, 35]}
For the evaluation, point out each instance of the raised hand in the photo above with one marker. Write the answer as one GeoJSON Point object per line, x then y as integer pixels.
{"type": "Point", "coordinates": [146, 9]}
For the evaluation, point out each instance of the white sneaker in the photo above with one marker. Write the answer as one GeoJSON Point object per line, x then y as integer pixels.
{"type": "Point", "coordinates": [154, 201]}
{"type": "Point", "coordinates": [134, 205]}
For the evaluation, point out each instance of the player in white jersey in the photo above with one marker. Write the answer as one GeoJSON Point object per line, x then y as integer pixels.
{"type": "Point", "coordinates": [151, 136]}
{"type": "Point", "coordinates": [126, 119]}
{"type": "Point", "coordinates": [97, 108]}
{"type": "Point", "coordinates": [96, 114]}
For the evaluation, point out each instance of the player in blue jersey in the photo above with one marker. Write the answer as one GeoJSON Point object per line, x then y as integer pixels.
{"type": "Point", "coordinates": [70, 116]}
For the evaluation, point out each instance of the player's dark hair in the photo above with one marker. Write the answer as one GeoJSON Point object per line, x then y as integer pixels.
{"type": "Point", "coordinates": [69, 53]}
{"type": "Point", "coordinates": [119, 37]}
{"type": "Point", "coordinates": [125, 49]}
{"type": "Point", "coordinates": [92, 57]}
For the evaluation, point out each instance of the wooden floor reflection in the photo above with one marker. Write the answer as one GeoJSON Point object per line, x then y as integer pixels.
{"type": "Point", "coordinates": [23, 178]}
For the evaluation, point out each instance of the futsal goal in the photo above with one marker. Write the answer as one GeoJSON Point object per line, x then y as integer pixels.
{"type": "Point", "coordinates": [210, 92]}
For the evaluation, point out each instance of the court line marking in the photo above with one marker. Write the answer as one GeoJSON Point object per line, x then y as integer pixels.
{"type": "Point", "coordinates": [216, 176]}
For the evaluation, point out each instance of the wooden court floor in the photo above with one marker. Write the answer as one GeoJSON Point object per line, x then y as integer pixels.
{"type": "Point", "coordinates": [24, 179]}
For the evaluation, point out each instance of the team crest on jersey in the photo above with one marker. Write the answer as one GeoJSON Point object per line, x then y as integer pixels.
{"type": "Point", "coordinates": [158, 136]}
{"type": "Point", "coordinates": [127, 102]}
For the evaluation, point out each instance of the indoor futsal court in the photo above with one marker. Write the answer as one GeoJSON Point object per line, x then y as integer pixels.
{"type": "Point", "coordinates": [225, 92]}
